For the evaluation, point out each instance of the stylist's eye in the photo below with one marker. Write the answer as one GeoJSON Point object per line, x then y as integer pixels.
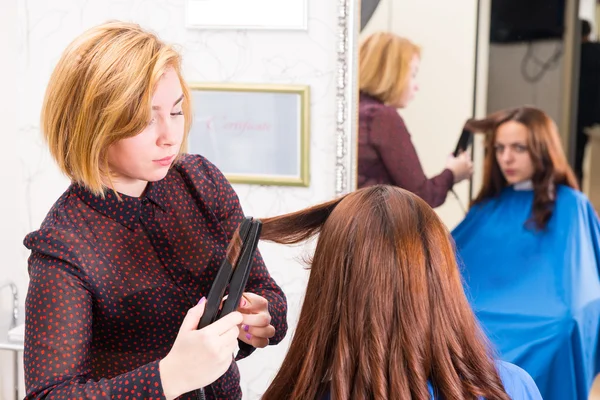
{"type": "Point", "coordinates": [520, 148]}
{"type": "Point", "coordinates": [177, 113]}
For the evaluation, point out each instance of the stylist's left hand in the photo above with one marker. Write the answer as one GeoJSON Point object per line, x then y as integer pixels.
{"type": "Point", "coordinates": [256, 328]}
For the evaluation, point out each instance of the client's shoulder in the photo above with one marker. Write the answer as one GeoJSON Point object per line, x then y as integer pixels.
{"type": "Point", "coordinates": [569, 198]}
{"type": "Point", "coordinates": [570, 193]}
{"type": "Point", "coordinates": [517, 382]}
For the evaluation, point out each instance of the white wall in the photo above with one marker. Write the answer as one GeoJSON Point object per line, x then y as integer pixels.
{"type": "Point", "coordinates": [11, 206]}
{"type": "Point", "coordinates": [552, 93]}
{"type": "Point", "coordinates": [446, 31]}
{"type": "Point", "coordinates": [508, 87]}
{"type": "Point", "coordinates": [597, 19]}
{"type": "Point", "coordinates": [587, 10]}
{"type": "Point", "coordinates": [42, 29]}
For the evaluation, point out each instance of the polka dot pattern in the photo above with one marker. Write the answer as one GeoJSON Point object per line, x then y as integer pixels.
{"type": "Point", "coordinates": [111, 281]}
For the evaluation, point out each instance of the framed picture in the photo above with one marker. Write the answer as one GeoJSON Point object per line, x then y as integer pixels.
{"type": "Point", "coordinates": [255, 134]}
{"type": "Point", "coordinates": [245, 14]}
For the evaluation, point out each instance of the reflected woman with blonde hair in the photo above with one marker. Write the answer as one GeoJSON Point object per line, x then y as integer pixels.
{"type": "Point", "coordinates": [388, 66]}
{"type": "Point", "coordinates": [385, 315]}
{"type": "Point", "coordinates": [122, 262]}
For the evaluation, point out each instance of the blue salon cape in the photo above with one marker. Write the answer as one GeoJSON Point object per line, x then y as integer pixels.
{"type": "Point", "coordinates": [537, 294]}
{"type": "Point", "coordinates": [517, 383]}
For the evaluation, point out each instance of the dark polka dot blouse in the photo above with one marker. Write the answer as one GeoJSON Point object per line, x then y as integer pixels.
{"type": "Point", "coordinates": [111, 281]}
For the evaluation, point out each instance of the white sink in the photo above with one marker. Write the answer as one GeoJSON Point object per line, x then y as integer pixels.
{"type": "Point", "coordinates": [17, 334]}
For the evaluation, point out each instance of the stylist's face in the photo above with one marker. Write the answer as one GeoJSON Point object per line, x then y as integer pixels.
{"type": "Point", "coordinates": [147, 157]}
{"type": "Point", "coordinates": [412, 86]}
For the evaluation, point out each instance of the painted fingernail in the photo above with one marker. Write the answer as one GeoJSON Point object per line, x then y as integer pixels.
{"type": "Point", "coordinates": [244, 302]}
{"type": "Point", "coordinates": [248, 336]}
{"type": "Point", "coordinates": [202, 300]}
{"type": "Point", "coordinates": [246, 328]}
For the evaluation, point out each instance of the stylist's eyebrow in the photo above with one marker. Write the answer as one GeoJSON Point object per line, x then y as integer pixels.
{"type": "Point", "coordinates": [174, 104]}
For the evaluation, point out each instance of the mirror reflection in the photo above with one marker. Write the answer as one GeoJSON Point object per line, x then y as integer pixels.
{"type": "Point", "coordinates": [524, 78]}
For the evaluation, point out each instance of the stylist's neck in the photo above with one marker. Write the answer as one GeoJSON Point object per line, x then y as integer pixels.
{"type": "Point", "coordinates": [132, 188]}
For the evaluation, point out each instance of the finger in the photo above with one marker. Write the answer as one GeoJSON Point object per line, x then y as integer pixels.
{"type": "Point", "coordinates": [222, 302]}
{"type": "Point", "coordinates": [222, 325]}
{"type": "Point", "coordinates": [245, 337]}
{"type": "Point", "coordinates": [230, 340]}
{"type": "Point", "coordinates": [252, 303]}
{"type": "Point", "coordinates": [254, 341]}
{"type": "Point", "coordinates": [227, 341]}
{"type": "Point", "coordinates": [231, 336]}
{"type": "Point", "coordinates": [259, 320]}
{"type": "Point", "coordinates": [192, 318]}
{"type": "Point", "coordinates": [266, 332]}
{"type": "Point", "coordinates": [243, 301]}
{"type": "Point", "coordinates": [259, 343]}
{"type": "Point", "coordinates": [254, 298]}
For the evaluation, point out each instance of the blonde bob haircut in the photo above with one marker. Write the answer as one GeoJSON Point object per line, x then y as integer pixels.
{"type": "Point", "coordinates": [384, 65]}
{"type": "Point", "coordinates": [101, 92]}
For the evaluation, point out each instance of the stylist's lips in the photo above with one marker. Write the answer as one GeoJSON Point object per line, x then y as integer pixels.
{"type": "Point", "coordinates": [165, 162]}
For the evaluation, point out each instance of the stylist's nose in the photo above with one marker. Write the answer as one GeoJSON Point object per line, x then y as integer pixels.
{"type": "Point", "coordinates": [166, 133]}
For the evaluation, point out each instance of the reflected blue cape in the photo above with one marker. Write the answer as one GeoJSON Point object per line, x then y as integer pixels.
{"type": "Point", "coordinates": [537, 293]}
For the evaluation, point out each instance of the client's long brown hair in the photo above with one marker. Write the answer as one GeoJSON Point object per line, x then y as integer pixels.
{"type": "Point", "coordinates": [549, 161]}
{"type": "Point", "coordinates": [384, 312]}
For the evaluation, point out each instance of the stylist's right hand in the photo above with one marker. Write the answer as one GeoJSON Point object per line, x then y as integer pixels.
{"type": "Point", "coordinates": [199, 357]}
{"type": "Point", "coordinates": [461, 166]}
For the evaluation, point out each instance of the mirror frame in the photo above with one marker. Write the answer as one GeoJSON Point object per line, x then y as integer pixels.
{"type": "Point", "coordinates": [347, 97]}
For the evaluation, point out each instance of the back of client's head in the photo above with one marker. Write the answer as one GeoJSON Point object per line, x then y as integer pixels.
{"type": "Point", "coordinates": [384, 313]}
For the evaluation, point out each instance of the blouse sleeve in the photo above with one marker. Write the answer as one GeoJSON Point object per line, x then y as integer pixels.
{"type": "Point", "coordinates": [58, 333]}
{"type": "Point", "coordinates": [390, 137]}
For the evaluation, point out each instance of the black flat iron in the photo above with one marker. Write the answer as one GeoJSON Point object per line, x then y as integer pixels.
{"type": "Point", "coordinates": [233, 273]}
{"type": "Point", "coordinates": [465, 140]}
